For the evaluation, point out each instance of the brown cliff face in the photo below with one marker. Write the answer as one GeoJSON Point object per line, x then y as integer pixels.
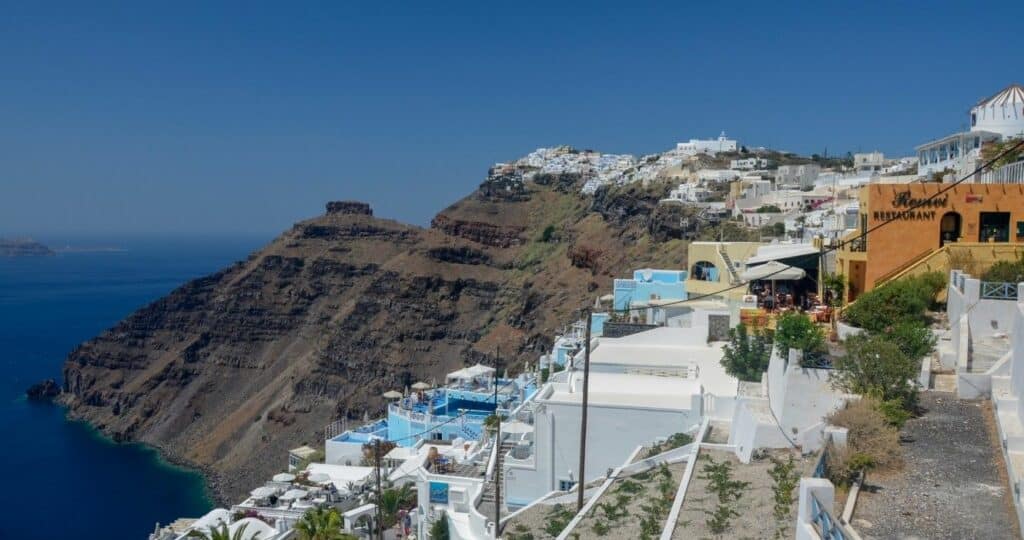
{"type": "Point", "coordinates": [231, 370]}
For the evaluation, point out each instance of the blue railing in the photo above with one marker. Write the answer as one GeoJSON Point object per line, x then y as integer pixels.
{"type": "Point", "coordinates": [819, 469]}
{"type": "Point", "coordinates": [998, 291]}
{"type": "Point", "coordinates": [827, 526]}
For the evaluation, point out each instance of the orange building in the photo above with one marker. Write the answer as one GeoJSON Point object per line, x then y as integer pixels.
{"type": "Point", "coordinates": [967, 215]}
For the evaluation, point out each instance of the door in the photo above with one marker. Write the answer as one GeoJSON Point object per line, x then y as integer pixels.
{"type": "Point", "coordinates": [949, 228]}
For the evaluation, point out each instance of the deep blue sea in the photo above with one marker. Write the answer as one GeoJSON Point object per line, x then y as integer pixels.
{"type": "Point", "coordinates": [61, 478]}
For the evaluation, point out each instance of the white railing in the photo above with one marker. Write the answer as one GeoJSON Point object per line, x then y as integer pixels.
{"type": "Point", "coordinates": [335, 428]}
{"type": "Point", "coordinates": [1007, 174]}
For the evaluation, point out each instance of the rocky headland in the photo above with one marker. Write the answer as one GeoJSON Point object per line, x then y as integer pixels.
{"type": "Point", "coordinates": [229, 371]}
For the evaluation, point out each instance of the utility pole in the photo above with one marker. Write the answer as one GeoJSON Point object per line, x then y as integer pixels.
{"type": "Point", "coordinates": [497, 452]}
{"type": "Point", "coordinates": [580, 475]}
{"type": "Point", "coordinates": [376, 465]}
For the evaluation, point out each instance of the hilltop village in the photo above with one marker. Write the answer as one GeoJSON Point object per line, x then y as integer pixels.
{"type": "Point", "coordinates": [845, 360]}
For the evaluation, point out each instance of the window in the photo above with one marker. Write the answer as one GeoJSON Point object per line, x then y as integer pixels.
{"type": "Point", "coordinates": [974, 119]}
{"type": "Point", "coordinates": [565, 485]}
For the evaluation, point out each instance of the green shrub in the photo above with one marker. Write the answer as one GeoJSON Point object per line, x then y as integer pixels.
{"type": "Point", "coordinates": [912, 337]}
{"type": "Point", "coordinates": [746, 354]}
{"type": "Point", "coordinates": [548, 234]}
{"type": "Point", "coordinates": [875, 366]}
{"type": "Point", "coordinates": [1005, 272]}
{"type": "Point", "coordinates": [896, 302]}
{"type": "Point", "coordinates": [797, 331]}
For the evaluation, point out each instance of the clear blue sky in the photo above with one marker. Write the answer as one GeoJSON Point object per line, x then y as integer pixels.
{"type": "Point", "coordinates": [191, 118]}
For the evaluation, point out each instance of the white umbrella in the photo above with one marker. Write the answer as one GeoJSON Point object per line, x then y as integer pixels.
{"type": "Point", "coordinates": [293, 494]}
{"type": "Point", "coordinates": [516, 427]}
{"type": "Point", "coordinates": [392, 394]}
{"type": "Point", "coordinates": [319, 478]}
{"type": "Point", "coordinates": [284, 477]}
{"type": "Point", "coordinates": [774, 271]}
{"type": "Point", "coordinates": [420, 386]}
{"type": "Point", "coordinates": [263, 492]}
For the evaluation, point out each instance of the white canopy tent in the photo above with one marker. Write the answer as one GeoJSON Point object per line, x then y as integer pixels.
{"type": "Point", "coordinates": [471, 372]}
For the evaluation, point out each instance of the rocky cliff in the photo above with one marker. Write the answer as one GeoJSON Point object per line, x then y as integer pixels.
{"type": "Point", "coordinates": [229, 371]}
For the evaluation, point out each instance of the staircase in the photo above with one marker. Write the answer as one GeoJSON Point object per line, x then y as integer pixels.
{"type": "Point", "coordinates": [734, 278]}
{"type": "Point", "coordinates": [499, 476]}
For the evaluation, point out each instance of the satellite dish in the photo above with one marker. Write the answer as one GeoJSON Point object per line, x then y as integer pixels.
{"type": "Point", "coordinates": [647, 274]}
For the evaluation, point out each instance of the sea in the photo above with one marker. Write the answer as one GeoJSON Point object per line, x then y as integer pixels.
{"type": "Point", "coordinates": [63, 479]}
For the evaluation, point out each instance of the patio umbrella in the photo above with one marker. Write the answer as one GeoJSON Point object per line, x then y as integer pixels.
{"type": "Point", "coordinates": [284, 477]}
{"type": "Point", "coordinates": [392, 394]}
{"type": "Point", "coordinates": [293, 494]}
{"type": "Point", "coordinates": [420, 386]}
{"type": "Point", "coordinates": [263, 492]}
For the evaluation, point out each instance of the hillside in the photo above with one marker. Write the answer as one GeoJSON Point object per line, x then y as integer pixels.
{"type": "Point", "coordinates": [229, 371]}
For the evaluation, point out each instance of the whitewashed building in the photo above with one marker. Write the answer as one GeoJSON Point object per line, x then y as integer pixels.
{"type": "Point", "coordinates": [749, 164]}
{"type": "Point", "coordinates": [869, 161]}
{"type": "Point", "coordinates": [992, 119]}
{"type": "Point", "coordinates": [797, 176]}
{"type": "Point", "coordinates": [707, 146]}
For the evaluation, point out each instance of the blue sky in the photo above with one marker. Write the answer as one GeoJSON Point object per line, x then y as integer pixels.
{"type": "Point", "coordinates": [194, 118]}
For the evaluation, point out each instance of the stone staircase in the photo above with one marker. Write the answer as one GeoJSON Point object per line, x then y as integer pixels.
{"type": "Point", "coordinates": [734, 278]}
{"type": "Point", "coordinates": [499, 473]}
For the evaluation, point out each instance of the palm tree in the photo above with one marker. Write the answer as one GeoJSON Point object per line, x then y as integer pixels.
{"type": "Point", "coordinates": [213, 533]}
{"type": "Point", "coordinates": [321, 524]}
{"type": "Point", "coordinates": [391, 501]}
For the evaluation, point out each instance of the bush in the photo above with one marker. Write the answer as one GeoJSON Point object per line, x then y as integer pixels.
{"type": "Point", "coordinates": [899, 301]}
{"type": "Point", "coordinates": [797, 331]}
{"type": "Point", "coordinates": [872, 443]}
{"type": "Point", "coordinates": [746, 355]}
{"type": "Point", "coordinates": [1005, 272]}
{"type": "Point", "coordinates": [548, 234]}
{"type": "Point", "coordinates": [439, 529]}
{"type": "Point", "coordinates": [913, 338]}
{"type": "Point", "coordinates": [875, 366]}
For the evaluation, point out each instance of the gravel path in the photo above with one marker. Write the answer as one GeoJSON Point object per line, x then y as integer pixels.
{"type": "Point", "coordinates": [953, 484]}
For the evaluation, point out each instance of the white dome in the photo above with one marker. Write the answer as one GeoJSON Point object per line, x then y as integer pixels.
{"type": "Point", "coordinates": [1002, 113]}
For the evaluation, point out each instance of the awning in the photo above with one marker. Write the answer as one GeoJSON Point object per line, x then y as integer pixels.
{"type": "Point", "coordinates": [284, 477]}
{"type": "Point", "coordinates": [781, 252]}
{"type": "Point", "coordinates": [774, 271]}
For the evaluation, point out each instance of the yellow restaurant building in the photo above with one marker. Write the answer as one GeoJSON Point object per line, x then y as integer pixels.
{"type": "Point", "coordinates": [979, 222]}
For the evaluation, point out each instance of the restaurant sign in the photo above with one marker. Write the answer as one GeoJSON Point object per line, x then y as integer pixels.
{"type": "Point", "coordinates": [908, 208]}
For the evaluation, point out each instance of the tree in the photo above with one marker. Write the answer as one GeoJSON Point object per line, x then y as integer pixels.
{"type": "Point", "coordinates": [746, 355]}
{"type": "Point", "coordinates": [797, 331]}
{"type": "Point", "coordinates": [877, 367]}
{"type": "Point", "coordinates": [439, 529]}
{"type": "Point", "coordinates": [392, 500]}
{"type": "Point", "coordinates": [321, 524]}
{"type": "Point", "coordinates": [222, 533]}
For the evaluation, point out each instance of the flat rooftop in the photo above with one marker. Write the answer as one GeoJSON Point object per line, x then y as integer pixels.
{"type": "Point", "coordinates": [622, 389]}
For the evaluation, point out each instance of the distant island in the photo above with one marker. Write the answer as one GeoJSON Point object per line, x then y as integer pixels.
{"type": "Point", "coordinates": [23, 248]}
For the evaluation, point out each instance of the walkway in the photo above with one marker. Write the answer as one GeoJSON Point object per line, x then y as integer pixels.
{"type": "Point", "coordinates": [953, 484]}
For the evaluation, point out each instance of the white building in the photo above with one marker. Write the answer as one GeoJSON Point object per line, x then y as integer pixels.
{"type": "Point", "coordinates": [717, 175]}
{"type": "Point", "coordinates": [992, 119]}
{"type": "Point", "coordinates": [797, 176]}
{"type": "Point", "coordinates": [749, 164]}
{"type": "Point", "coordinates": [707, 146]}
{"type": "Point", "coordinates": [690, 193]}
{"type": "Point", "coordinates": [869, 162]}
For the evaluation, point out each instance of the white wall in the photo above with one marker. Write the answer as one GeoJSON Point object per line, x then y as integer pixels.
{"type": "Point", "coordinates": [612, 433]}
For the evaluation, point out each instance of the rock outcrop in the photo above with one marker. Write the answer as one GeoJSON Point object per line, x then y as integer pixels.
{"type": "Point", "coordinates": [230, 371]}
